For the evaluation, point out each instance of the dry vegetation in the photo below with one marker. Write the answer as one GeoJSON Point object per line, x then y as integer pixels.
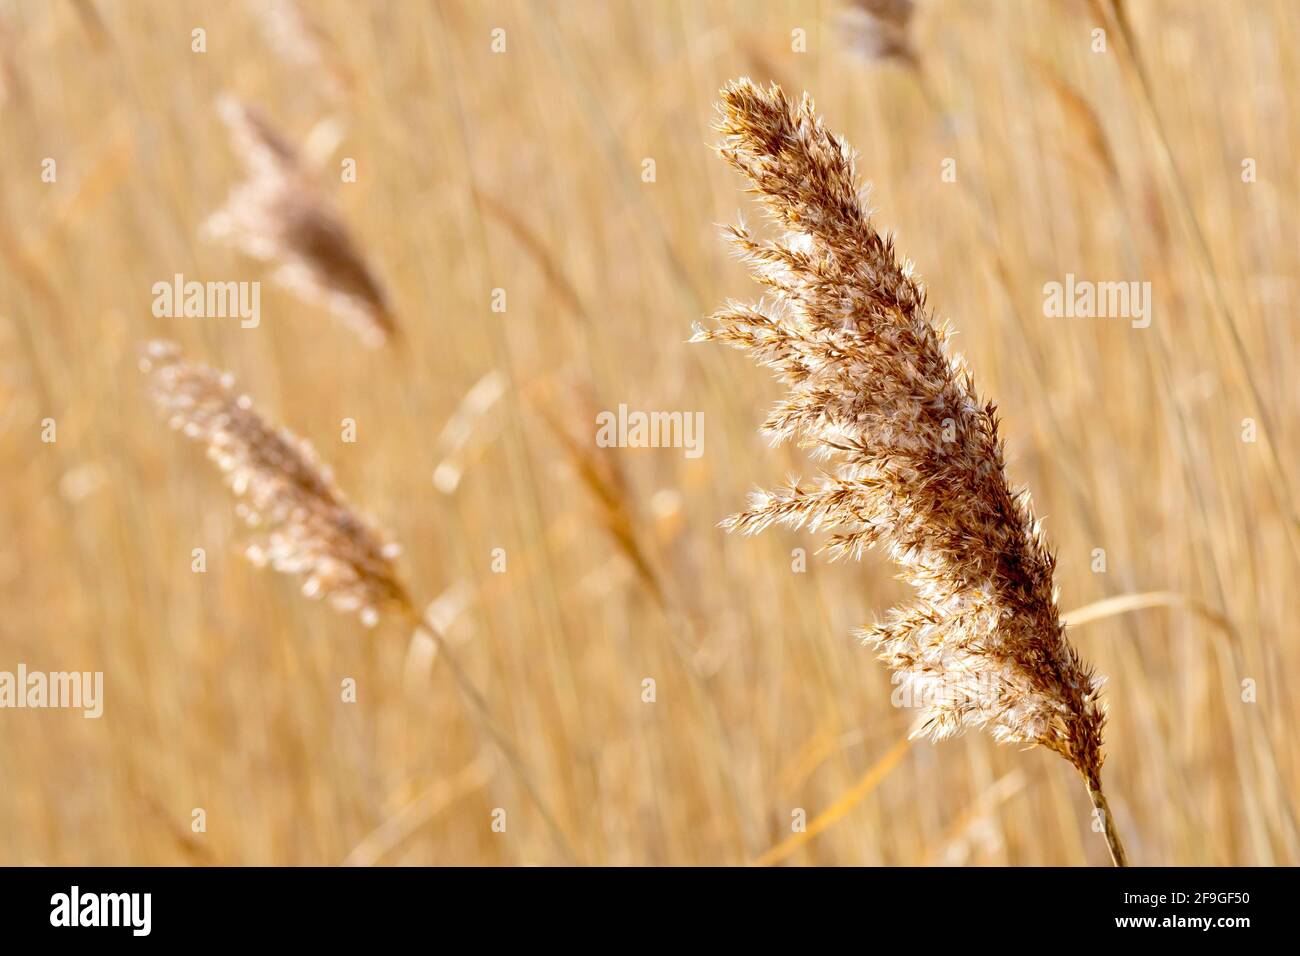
{"type": "Point", "coordinates": [523, 690]}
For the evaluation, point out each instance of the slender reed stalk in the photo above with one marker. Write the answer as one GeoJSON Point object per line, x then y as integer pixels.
{"type": "Point", "coordinates": [1113, 843]}
{"type": "Point", "coordinates": [915, 461]}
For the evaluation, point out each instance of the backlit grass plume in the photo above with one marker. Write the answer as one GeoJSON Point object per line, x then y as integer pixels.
{"type": "Point", "coordinates": [915, 463]}
{"type": "Point", "coordinates": [307, 526]}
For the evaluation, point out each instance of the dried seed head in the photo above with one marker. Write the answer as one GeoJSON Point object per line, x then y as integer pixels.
{"type": "Point", "coordinates": [306, 526]}
{"type": "Point", "coordinates": [275, 215]}
{"type": "Point", "coordinates": [915, 461]}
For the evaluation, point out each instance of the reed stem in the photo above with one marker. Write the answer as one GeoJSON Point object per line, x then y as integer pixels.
{"type": "Point", "coordinates": [482, 713]}
{"type": "Point", "coordinates": [1113, 843]}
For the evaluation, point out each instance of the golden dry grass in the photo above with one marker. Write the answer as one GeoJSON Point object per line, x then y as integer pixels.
{"type": "Point", "coordinates": [523, 171]}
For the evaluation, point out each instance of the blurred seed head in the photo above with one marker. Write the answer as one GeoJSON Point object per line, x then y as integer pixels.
{"type": "Point", "coordinates": [306, 526]}
{"type": "Point", "coordinates": [276, 215]}
{"type": "Point", "coordinates": [297, 38]}
{"type": "Point", "coordinates": [878, 30]}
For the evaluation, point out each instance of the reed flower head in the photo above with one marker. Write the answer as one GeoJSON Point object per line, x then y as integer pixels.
{"type": "Point", "coordinates": [276, 215]}
{"type": "Point", "coordinates": [914, 460]}
{"type": "Point", "coordinates": [307, 526]}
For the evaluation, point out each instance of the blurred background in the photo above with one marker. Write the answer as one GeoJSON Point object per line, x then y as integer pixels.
{"type": "Point", "coordinates": [517, 161]}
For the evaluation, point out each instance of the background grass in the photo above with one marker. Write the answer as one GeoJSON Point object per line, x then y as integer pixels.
{"type": "Point", "coordinates": [223, 689]}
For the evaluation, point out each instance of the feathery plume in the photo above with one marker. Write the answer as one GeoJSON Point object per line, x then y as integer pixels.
{"type": "Point", "coordinates": [309, 529]}
{"type": "Point", "coordinates": [276, 215]}
{"type": "Point", "coordinates": [915, 460]}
